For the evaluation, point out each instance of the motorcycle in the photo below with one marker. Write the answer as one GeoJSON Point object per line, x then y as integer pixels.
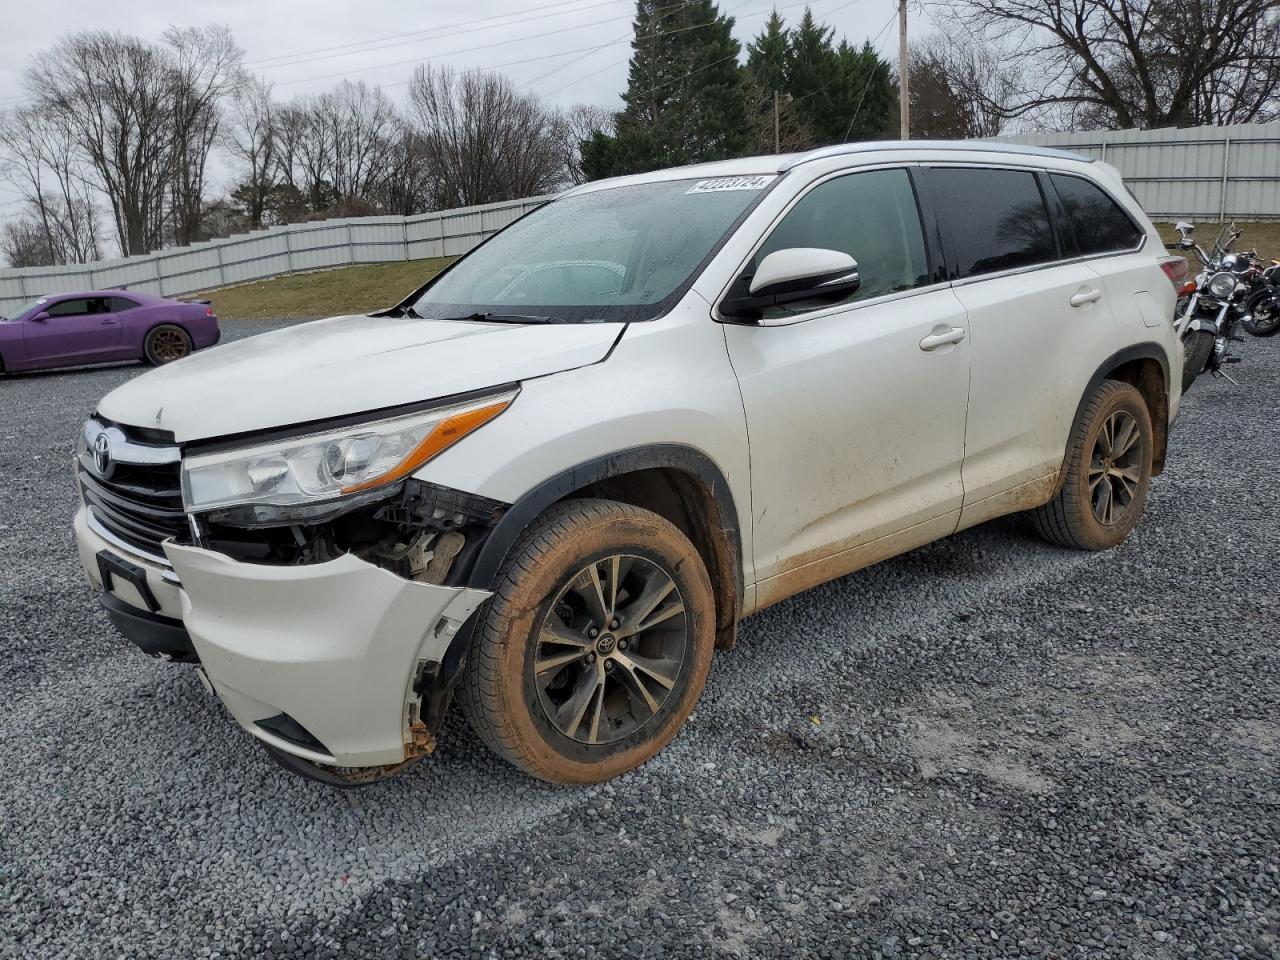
{"type": "Point", "coordinates": [1209, 314]}
{"type": "Point", "coordinates": [1262, 308]}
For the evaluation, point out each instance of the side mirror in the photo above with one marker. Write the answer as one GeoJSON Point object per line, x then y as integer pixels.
{"type": "Point", "coordinates": [41, 317]}
{"type": "Point", "coordinates": [785, 276]}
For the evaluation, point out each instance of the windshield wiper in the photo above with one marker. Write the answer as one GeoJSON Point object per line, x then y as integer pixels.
{"type": "Point", "coordinates": [489, 316]}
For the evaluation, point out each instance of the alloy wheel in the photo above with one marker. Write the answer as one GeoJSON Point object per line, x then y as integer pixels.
{"type": "Point", "coordinates": [168, 345]}
{"type": "Point", "coordinates": [610, 649]}
{"type": "Point", "coordinates": [1115, 467]}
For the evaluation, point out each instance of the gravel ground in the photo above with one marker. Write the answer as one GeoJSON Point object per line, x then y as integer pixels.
{"type": "Point", "coordinates": [986, 748]}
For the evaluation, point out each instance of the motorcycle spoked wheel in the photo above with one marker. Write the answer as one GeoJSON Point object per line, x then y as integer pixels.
{"type": "Point", "coordinates": [1263, 312]}
{"type": "Point", "coordinates": [1197, 347]}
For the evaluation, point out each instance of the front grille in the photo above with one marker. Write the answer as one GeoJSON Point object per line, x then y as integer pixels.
{"type": "Point", "coordinates": [138, 503]}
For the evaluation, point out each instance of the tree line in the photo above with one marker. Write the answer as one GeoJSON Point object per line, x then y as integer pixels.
{"type": "Point", "coordinates": [116, 138]}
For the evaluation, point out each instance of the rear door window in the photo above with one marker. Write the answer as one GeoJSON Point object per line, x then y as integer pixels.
{"type": "Point", "coordinates": [1097, 221]}
{"type": "Point", "coordinates": [995, 219]}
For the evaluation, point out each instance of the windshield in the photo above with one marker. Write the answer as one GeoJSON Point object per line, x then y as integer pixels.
{"type": "Point", "coordinates": [620, 254]}
{"type": "Point", "coordinates": [25, 308]}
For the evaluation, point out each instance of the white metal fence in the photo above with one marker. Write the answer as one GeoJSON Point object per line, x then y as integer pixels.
{"type": "Point", "coordinates": [1206, 173]}
{"type": "Point", "coordinates": [271, 252]}
{"type": "Point", "coordinates": [1200, 173]}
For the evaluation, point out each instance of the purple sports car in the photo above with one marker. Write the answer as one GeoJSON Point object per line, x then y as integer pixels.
{"type": "Point", "coordinates": [103, 325]}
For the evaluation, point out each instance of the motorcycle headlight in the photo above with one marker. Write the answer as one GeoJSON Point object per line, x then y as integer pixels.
{"type": "Point", "coordinates": [332, 464]}
{"type": "Point", "coordinates": [1222, 285]}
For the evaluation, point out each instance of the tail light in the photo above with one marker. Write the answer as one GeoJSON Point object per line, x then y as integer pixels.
{"type": "Point", "coordinates": [208, 311]}
{"type": "Point", "coordinates": [1175, 268]}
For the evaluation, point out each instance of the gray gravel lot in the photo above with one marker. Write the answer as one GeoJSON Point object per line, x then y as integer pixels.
{"type": "Point", "coordinates": [987, 748]}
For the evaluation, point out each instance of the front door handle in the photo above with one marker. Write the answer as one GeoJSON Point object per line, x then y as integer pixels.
{"type": "Point", "coordinates": [936, 340]}
{"type": "Point", "coordinates": [1087, 295]}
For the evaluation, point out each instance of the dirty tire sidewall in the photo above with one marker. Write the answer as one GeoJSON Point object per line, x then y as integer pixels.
{"type": "Point", "coordinates": [499, 695]}
{"type": "Point", "coordinates": [1068, 519]}
{"type": "Point", "coordinates": [166, 328]}
{"type": "Point", "coordinates": [1196, 348]}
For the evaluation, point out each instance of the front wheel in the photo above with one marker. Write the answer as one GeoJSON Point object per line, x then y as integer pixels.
{"type": "Point", "coordinates": [1197, 345]}
{"type": "Point", "coordinates": [1108, 471]}
{"type": "Point", "coordinates": [595, 645]}
{"type": "Point", "coordinates": [166, 343]}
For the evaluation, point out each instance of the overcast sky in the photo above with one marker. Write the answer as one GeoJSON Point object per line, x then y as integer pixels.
{"type": "Point", "coordinates": [567, 51]}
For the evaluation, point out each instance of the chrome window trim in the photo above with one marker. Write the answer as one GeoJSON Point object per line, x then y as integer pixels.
{"type": "Point", "coordinates": [167, 572]}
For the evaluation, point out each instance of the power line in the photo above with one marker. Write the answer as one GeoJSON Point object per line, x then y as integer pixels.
{"type": "Point", "coordinates": [616, 63]}
{"type": "Point", "coordinates": [870, 76]}
{"type": "Point", "coordinates": [487, 46]}
{"type": "Point", "coordinates": [432, 32]}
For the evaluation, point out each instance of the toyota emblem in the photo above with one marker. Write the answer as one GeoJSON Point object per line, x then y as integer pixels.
{"type": "Point", "coordinates": [102, 455]}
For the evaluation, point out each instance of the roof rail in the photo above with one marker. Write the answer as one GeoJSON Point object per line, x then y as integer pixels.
{"type": "Point", "coordinates": [981, 146]}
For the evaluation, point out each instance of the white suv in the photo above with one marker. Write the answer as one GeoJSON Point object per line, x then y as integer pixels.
{"type": "Point", "coordinates": [556, 477]}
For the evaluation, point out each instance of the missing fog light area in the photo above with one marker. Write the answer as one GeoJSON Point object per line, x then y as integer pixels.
{"type": "Point", "coordinates": [414, 529]}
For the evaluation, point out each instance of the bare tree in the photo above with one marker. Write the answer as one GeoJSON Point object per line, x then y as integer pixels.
{"type": "Point", "coordinates": [24, 243]}
{"type": "Point", "coordinates": [113, 96]}
{"type": "Point", "coordinates": [204, 71]}
{"type": "Point", "coordinates": [960, 90]}
{"type": "Point", "coordinates": [252, 137]}
{"type": "Point", "coordinates": [581, 122]}
{"type": "Point", "coordinates": [42, 165]}
{"type": "Point", "coordinates": [1133, 63]}
{"type": "Point", "coordinates": [484, 140]}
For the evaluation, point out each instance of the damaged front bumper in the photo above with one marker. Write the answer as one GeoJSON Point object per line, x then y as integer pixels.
{"type": "Point", "coordinates": [320, 661]}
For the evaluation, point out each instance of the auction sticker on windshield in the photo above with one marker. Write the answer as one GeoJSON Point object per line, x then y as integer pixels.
{"type": "Point", "coordinates": [732, 183]}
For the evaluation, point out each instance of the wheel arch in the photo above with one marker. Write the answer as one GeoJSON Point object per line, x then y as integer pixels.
{"type": "Point", "coordinates": [678, 482]}
{"type": "Point", "coordinates": [1146, 367]}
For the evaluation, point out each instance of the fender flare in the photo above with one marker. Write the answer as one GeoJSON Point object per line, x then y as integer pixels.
{"type": "Point", "coordinates": [1147, 350]}
{"type": "Point", "coordinates": [671, 456]}
{"type": "Point", "coordinates": [437, 681]}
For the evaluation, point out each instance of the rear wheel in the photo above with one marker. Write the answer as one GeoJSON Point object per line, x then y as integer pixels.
{"type": "Point", "coordinates": [595, 646]}
{"type": "Point", "coordinates": [1196, 348]}
{"type": "Point", "coordinates": [1263, 312]}
{"type": "Point", "coordinates": [1107, 474]}
{"type": "Point", "coordinates": [166, 343]}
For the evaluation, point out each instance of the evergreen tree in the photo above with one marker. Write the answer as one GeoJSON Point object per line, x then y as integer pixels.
{"type": "Point", "coordinates": [841, 93]}
{"type": "Point", "coordinates": [686, 99]}
{"type": "Point", "coordinates": [769, 56]}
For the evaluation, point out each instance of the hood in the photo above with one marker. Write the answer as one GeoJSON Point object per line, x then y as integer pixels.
{"type": "Point", "coordinates": [343, 366]}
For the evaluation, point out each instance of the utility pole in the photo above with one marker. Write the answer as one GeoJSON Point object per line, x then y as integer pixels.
{"type": "Point", "coordinates": [904, 100]}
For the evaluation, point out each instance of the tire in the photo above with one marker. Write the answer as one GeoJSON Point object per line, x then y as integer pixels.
{"type": "Point", "coordinates": [165, 344]}
{"type": "Point", "coordinates": [527, 716]}
{"type": "Point", "coordinates": [1196, 348]}
{"type": "Point", "coordinates": [1077, 517]}
{"type": "Point", "coordinates": [1263, 311]}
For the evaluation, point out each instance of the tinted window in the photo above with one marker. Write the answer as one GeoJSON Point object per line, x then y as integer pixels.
{"type": "Point", "coordinates": [870, 216]}
{"type": "Point", "coordinates": [120, 304]}
{"type": "Point", "coordinates": [996, 219]}
{"type": "Point", "coordinates": [1097, 221]}
{"type": "Point", "coordinates": [71, 308]}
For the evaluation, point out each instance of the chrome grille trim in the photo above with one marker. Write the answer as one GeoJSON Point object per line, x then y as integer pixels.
{"type": "Point", "coordinates": [130, 549]}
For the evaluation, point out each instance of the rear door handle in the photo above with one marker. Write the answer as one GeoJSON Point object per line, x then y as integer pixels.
{"type": "Point", "coordinates": [936, 340]}
{"type": "Point", "coordinates": [1088, 295]}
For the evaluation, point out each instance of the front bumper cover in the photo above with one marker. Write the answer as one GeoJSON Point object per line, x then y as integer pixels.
{"type": "Point", "coordinates": [333, 646]}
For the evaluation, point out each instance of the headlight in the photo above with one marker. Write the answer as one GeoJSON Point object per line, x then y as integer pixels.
{"type": "Point", "coordinates": [336, 463]}
{"type": "Point", "coordinates": [1222, 285]}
